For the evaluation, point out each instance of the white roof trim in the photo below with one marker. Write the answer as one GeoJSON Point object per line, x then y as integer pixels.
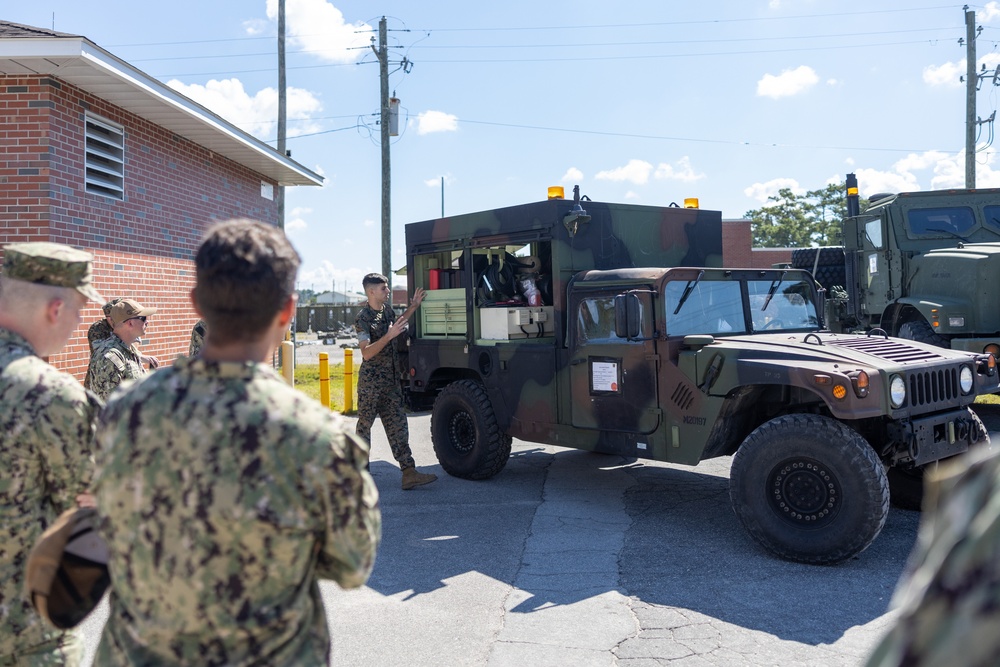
{"type": "Point", "coordinates": [80, 62]}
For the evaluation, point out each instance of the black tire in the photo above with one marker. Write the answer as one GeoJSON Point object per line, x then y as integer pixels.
{"type": "Point", "coordinates": [467, 441]}
{"type": "Point", "coordinates": [921, 331]}
{"type": "Point", "coordinates": [809, 489]}
{"type": "Point", "coordinates": [906, 485]}
{"type": "Point", "coordinates": [828, 276]}
{"type": "Point", "coordinates": [805, 258]}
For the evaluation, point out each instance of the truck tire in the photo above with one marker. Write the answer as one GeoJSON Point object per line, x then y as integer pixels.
{"type": "Point", "coordinates": [809, 489]}
{"type": "Point", "coordinates": [828, 276]}
{"type": "Point", "coordinates": [921, 331]}
{"type": "Point", "coordinates": [906, 485]}
{"type": "Point", "coordinates": [805, 258]}
{"type": "Point", "coordinates": [467, 441]}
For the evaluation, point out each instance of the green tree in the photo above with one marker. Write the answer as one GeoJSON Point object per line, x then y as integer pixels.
{"type": "Point", "coordinates": [789, 220]}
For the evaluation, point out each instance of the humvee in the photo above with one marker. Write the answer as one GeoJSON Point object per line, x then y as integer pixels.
{"type": "Point", "coordinates": [615, 329]}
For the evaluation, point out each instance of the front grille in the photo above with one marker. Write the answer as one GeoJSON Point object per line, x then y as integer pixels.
{"type": "Point", "coordinates": [928, 388]}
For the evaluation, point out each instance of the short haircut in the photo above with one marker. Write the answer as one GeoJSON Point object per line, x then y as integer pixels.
{"type": "Point", "coordinates": [245, 275]}
{"type": "Point", "coordinates": [19, 295]}
{"type": "Point", "coordinates": [373, 279]}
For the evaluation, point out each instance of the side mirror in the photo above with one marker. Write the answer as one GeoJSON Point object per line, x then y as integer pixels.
{"type": "Point", "coordinates": [627, 316]}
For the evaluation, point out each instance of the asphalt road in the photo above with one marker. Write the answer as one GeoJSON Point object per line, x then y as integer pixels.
{"type": "Point", "coordinates": [570, 558]}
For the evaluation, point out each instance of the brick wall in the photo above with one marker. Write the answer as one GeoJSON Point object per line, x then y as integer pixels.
{"type": "Point", "coordinates": [738, 250]}
{"type": "Point", "coordinates": [144, 245]}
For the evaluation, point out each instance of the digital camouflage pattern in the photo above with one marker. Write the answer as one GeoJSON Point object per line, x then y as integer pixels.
{"type": "Point", "coordinates": [47, 420]}
{"type": "Point", "coordinates": [112, 363]}
{"type": "Point", "coordinates": [949, 597]}
{"type": "Point", "coordinates": [197, 338]}
{"type": "Point", "coordinates": [97, 332]}
{"type": "Point", "coordinates": [53, 264]}
{"type": "Point", "coordinates": [379, 393]}
{"type": "Point", "coordinates": [224, 494]}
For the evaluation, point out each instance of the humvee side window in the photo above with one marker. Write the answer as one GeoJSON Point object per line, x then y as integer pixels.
{"type": "Point", "coordinates": [595, 321]}
{"type": "Point", "coordinates": [711, 307]}
{"type": "Point", "coordinates": [992, 215]}
{"type": "Point", "coordinates": [873, 230]}
{"type": "Point", "coordinates": [951, 221]}
{"type": "Point", "coordinates": [790, 308]}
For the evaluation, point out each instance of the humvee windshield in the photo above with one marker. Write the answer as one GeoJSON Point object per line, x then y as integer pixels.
{"type": "Point", "coordinates": [721, 307]}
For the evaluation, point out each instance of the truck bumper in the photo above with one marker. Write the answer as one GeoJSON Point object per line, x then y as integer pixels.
{"type": "Point", "coordinates": [976, 345]}
{"type": "Point", "coordinates": [938, 436]}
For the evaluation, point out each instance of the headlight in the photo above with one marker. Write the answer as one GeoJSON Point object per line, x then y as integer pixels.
{"type": "Point", "coordinates": [965, 379]}
{"type": "Point", "coordinates": [897, 391]}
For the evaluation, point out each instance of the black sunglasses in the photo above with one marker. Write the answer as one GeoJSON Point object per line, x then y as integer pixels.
{"type": "Point", "coordinates": [141, 318]}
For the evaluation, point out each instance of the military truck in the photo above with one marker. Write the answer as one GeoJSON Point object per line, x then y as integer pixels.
{"type": "Point", "coordinates": [615, 329]}
{"type": "Point", "coordinates": [919, 265]}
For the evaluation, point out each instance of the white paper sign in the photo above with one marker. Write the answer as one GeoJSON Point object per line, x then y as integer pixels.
{"type": "Point", "coordinates": [873, 263]}
{"type": "Point", "coordinates": [604, 376]}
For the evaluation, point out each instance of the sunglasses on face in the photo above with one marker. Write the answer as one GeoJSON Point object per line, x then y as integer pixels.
{"type": "Point", "coordinates": [141, 318]}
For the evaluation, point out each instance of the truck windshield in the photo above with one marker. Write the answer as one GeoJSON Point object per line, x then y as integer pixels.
{"type": "Point", "coordinates": [791, 308]}
{"type": "Point", "coordinates": [953, 221]}
{"type": "Point", "coordinates": [704, 307]}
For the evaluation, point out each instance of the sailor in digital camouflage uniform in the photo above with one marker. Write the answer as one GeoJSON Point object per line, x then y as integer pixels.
{"type": "Point", "coordinates": [116, 358]}
{"type": "Point", "coordinates": [379, 394]}
{"type": "Point", "coordinates": [948, 599]}
{"type": "Point", "coordinates": [47, 421]}
{"type": "Point", "coordinates": [225, 494]}
{"type": "Point", "coordinates": [197, 338]}
{"type": "Point", "coordinates": [101, 329]}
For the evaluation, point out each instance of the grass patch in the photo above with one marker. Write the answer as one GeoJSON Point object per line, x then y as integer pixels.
{"type": "Point", "coordinates": [307, 381]}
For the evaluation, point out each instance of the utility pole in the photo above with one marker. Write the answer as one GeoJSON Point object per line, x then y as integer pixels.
{"type": "Point", "coordinates": [971, 85]}
{"type": "Point", "coordinates": [280, 195]}
{"type": "Point", "coordinates": [383, 76]}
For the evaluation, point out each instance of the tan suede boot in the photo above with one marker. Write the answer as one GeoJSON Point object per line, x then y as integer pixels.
{"type": "Point", "coordinates": [413, 479]}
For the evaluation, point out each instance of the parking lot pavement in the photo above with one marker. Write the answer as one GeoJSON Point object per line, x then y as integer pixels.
{"type": "Point", "coordinates": [567, 557]}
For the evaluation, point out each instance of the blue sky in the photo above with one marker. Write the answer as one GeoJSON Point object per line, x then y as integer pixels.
{"type": "Point", "coordinates": [646, 101]}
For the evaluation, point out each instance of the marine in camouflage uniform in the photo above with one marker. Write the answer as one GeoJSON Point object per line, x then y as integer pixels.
{"type": "Point", "coordinates": [379, 394]}
{"type": "Point", "coordinates": [101, 329]}
{"type": "Point", "coordinates": [223, 493]}
{"type": "Point", "coordinates": [949, 597]}
{"type": "Point", "coordinates": [116, 358]}
{"type": "Point", "coordinates": [198, 332]}
{"type": "Point", "coordinates": [47, 420]}
{"type": "Point", "coordinates": [112, 363]}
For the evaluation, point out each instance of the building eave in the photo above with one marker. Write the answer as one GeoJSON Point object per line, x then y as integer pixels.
{"type": "Point", "coordinates": [81, 63]}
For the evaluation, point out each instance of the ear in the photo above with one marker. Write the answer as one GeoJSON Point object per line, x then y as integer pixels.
{"type": "Point", "coordinates": [54, 309]}
{"type": "Point", "coordinates": [194, 303]}
{"type": "Point", "coordinates": [287, 311]}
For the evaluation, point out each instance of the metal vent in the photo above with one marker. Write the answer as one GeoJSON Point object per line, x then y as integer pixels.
{"type": "Point", "coordinates": [891, 349]}
{"type": "Point", "coordinates": [930, 387]}
{"type": "Point", "coordinates": [683, 397]}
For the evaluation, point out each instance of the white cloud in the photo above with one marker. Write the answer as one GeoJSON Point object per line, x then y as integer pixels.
{"type": "Point", "coordinates": [684, 172]}
{"type": "Point", "coordinates": [933, 170]}
{"type": "Point", "coordinates": [295, 220]}
{"type": "Point", "coordinates": [789, 82]}
{"type": "Point", "coordinates": [761, 191]}
{"type": "Point", "coordinates": [988, 13]}
{"type": "Point", "coordinates": [327, 181]}
{"type": "Point", "coordinates": [631, 195]}
{"type": "Point", "coordinates": [256, 114]}
{"type": "Point", "coordinates": [255, 27]}
{"type": "Point", "coordinates": [636, 171]}
{"type": "Point", "coordinates": [572, 175]}
{"type": "Point", "coordinates": [328, 276]}
{"type": "Point", "coordinates": [436, 121]}
{"type": "Point", "coordinates": [368, 222]}
{"type": "Point", "coordinates": [317, 27]}
{"type": "Point", "coordinates": [951, 73]}
{"type": "Point", "coordinates": [436, 181]}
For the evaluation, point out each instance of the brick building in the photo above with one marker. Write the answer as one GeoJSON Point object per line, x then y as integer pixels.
{"type": "Point", "coordinates": [96, 154]}
{"type": "Point", "coordinates": [738, 250]}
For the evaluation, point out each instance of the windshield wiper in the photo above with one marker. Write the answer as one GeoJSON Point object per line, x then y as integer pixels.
{"type": "Point", "coordinates": [774, 288]}
{"type": "Point", "coordinates": [691, 284]}
{"type": "Point", "coordinates": [949, 233]}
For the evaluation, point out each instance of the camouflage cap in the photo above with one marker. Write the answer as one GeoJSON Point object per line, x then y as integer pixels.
{"type": "Point", "coordinates": [107, 307]}
{"type": "Point", "coordinates": [126, 309]}
{"type": "Point", "coordinates": [54, 264]}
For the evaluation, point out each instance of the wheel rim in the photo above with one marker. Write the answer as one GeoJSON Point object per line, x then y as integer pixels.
{"type": "Point", "coordinates": [804, 492]}
{"type": "Point", "coordinates": [462, 432]}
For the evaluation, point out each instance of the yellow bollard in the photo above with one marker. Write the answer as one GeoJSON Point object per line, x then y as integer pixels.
{"type": "Point", "coordinates": [324, 379]}
{"type": "Point", "coordinates": [348, 380]}
{"type": "Point", "coordinates": [288, 361]}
